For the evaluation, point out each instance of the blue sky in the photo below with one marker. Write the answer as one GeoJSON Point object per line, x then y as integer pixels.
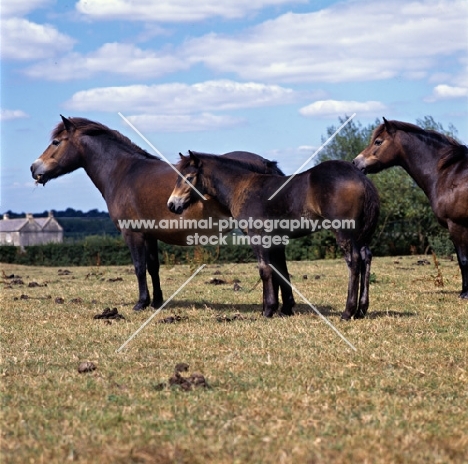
{"type": "Point", "coordinates": [267, 76]}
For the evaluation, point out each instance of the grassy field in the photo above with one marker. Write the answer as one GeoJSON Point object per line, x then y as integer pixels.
{"type": "Point", "coordinates": [284, 390]}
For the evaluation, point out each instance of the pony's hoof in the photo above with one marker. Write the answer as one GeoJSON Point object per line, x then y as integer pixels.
{"type": "Point", "coordinates": [359, 315]}
{"type": "Point", "coordinates": [269, 313]}
{"type": "Point", "coordinates": [464, 295]}
{"type": "Point", "coordinates": [287, 313]}
{"type": "Point", "coordinates": [345, 317]}
{"type": "Point", "coordinates": [156, 304]}
{"type": "Point", "coordinates": [140, 306]}
{"type": "Point", "coordinates": [287, 310]}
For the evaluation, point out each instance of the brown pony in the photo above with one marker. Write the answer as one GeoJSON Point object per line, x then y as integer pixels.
{"type": "Point", "coordinates": [333, 190]}
{"type": "Point", "coordinates": [438, 164]}
{"type": "Point", "coordinates": [136, 185]}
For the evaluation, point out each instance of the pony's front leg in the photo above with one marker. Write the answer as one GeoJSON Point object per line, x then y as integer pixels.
{"type": "Point", "coordinates": [366, 260]}
{"type": "Point", "coordinates": [462, 256]}
{"type": "Point", "coordinates": [278, 260]}
{"type": "Point", "coordinates": [270, 297]}
{"type": "Point", "coordinates": [464, 271]}
{"type": "Point", "coordinates": [136, 243]}
{"type": "Point", "coordinates": [152, 260]}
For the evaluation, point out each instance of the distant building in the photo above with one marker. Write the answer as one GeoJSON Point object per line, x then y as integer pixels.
{"type": "Point", "coordinates": [30, 231]}
{"type": "Point", "coordinates": [52, 231]}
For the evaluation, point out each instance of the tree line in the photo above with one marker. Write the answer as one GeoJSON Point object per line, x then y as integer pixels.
{"type": "Point", "coordinates": [407, 224]}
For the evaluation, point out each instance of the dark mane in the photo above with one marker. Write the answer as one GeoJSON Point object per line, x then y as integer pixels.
{"type": "Point", "coordinates": [452, 151]}
{"type": "Point", "coordinates": [266, 166]}
{"type": "Point", "coordinates": [88, 127]}
{"type": "Point", "coordinates": [452, 154]}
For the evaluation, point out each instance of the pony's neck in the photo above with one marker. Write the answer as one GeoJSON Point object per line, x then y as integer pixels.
{"type": "Point", "coordinates": [220, 180]}
{"type": "Point", "coordinates": [419, 159]}
{"type": "Point", "coordinates": [105, 165]}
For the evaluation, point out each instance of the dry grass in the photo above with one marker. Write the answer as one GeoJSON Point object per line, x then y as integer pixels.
{"type": "Point", "coordinates": [285, 390]}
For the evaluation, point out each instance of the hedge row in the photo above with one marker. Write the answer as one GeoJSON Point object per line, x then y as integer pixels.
{"type": "Point", "coordinates": [89, 252]}
{"type": "Point", "coordinates": [102, 250]}
{"type": "Point", "coordinates": [105, 250]}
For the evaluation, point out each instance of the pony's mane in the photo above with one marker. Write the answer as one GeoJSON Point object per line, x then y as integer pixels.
{"type": "Point", "coordinates": [88, 127]}
{"type": "Point", "coordinates": [266, 166]}
{"type": "Point", "coordinates": [452, 152]}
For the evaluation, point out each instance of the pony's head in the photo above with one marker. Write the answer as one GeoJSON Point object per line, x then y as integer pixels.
{"type": "Point", "coordinates": [188, 186]}
{"type": "Point", "coordinates": [200, 173]}
{"type": "Point", "coordinates": [382, 151]}
{"type": "Point", "coordinates": [60, 157]}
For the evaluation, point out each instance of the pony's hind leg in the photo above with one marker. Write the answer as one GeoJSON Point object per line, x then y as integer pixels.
{"type": "Point", "coordinates": [353, 260]}
{"type": "Point", "coordinates": [366, 259]}
{"type": "Point", "coordinates": [459, 236]}
{"type": "Point", "coordinates": [152, 260]}
{"type": "Point", "coordinates": [278, 260]}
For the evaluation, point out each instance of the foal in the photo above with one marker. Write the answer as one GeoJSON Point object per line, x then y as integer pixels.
{"type": "Point", "coordinates": [333, 190]}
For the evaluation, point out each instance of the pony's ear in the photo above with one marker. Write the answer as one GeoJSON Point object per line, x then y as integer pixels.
{"type": "Point", "coordinates": [195, 161]}
{"type": "Point", "coordinates": [69, 126]}
{"type": "Point", "coordinates": [182, 157]}
{"type": "Point", "coordinates": [388, 126]}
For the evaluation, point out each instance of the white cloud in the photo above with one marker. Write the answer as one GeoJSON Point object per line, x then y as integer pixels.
{"type": "Point", "coordinates": [183, 122]}
{"type": "Point", "coordinates": [174, 10]}
{"type": "Point", "coordinates": [113, 58]}
{"type": "Point", "coordinates": [456, 84]}
{"type": "Point", "coordinates": [446, 91]}
{"type": "Point", "coordinates": [355, 41]}
{"type": "Point", "coordinates": [179, 107]}
{"type": "Point", "coordinates": [179, 98]}
{"type": "Point", "coordinates": [6, 115]}
{"type": "Point", "coordinates": [334, 108]}
{"type": "Point", "coordinates": [348, 41]}
{"type": "Point", "coordinates": [21, 7]}
{"type": "Point", "coordinates": [25, 40]}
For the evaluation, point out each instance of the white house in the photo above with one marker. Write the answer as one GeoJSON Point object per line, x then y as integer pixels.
{"type": "Point", "coordinates": [30, 231]}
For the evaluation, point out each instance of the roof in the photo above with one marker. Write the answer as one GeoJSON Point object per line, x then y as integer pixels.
{"type": "Point", "coordinates": [15, 225]}
{"type": "Point", "coordinates": [49, 221]}
{"type": "Point", "coordinates": [37, 224]}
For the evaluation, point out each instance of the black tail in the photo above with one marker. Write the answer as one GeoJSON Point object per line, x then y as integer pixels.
{"type": "Point", "coordinates": [371, 212]}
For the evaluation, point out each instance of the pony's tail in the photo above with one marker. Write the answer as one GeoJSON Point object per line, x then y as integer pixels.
{"type": "Point", "coordinates": [371, 212]}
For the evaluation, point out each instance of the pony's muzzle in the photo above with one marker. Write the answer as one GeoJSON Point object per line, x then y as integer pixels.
{"type": "Point", "coordinates": [38, 172]}
{"type": "Point", "coordinates": [175, 205]}
{"type": "Point", "coordinates": [360, 163]}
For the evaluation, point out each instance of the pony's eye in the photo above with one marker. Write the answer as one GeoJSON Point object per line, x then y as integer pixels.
{"type": "Point", "coordinates": [55, 142]}
{"type": "Point", "coordinates": [378, 142]}
{"type": "Point", "coordinates": [190, 178]}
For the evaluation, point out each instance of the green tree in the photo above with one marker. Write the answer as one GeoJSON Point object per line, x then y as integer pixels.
{"type": "Point", "coordinates": [428, 123]}
{"type": "Point", "coordinates": [350, 141]}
